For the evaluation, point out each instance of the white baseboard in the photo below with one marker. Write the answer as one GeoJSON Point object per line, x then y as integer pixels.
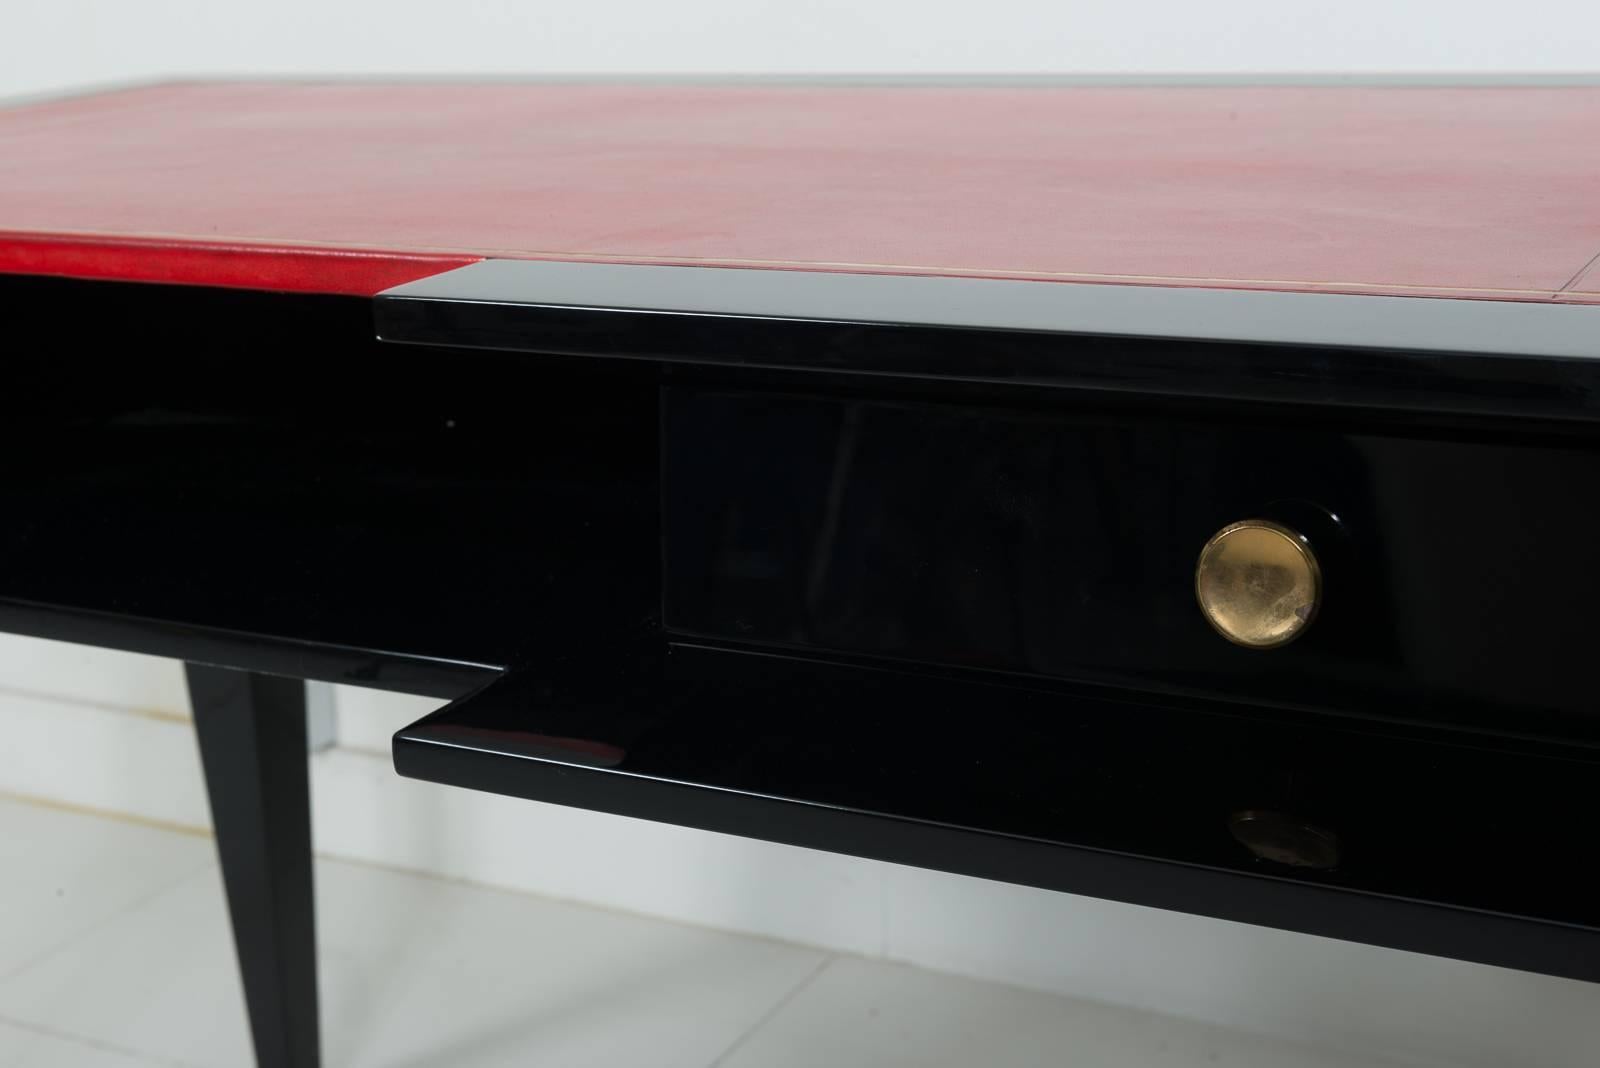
{"type": "Point", "coordinates": [97, 757]}
{"type": "Point", "coordinates": [144, 764]}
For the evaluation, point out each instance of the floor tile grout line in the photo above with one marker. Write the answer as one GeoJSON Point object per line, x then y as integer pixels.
{"type": "Point", "coordinates": [772, 1013]}
{"type": "Point", "coordinates": [103, 922]}
{"type": "Point", "coordinates": [92, 1043]}
{"type": "Point", "coordinates": [111, 815]}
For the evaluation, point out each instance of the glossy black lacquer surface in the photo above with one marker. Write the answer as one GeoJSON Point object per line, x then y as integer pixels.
{"type": "Point", "coordinates": [252, 734]}
{"type": "Point", "coordinates": [1445, 848]}
{"type": "Point", "coordinates": [1433, 357]}
{"type": "Point", "coordinates": [1063, 543]}
{"type": "Point", "coordinates": [251, 480]}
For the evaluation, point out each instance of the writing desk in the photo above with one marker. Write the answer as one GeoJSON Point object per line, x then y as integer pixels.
{"type": "Point", "coordinates": [1181, 496]}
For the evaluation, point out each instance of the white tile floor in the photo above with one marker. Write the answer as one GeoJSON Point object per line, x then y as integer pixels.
{"type": "Point", "coordinates": [115, 953]}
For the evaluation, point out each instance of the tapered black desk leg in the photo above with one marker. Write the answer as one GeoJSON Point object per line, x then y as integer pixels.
{"type": "Point", "coordinates": [252, 731]}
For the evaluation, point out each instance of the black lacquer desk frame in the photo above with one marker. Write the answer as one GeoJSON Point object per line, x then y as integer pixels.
{"type": "Point", "coordinates": [900, 568]}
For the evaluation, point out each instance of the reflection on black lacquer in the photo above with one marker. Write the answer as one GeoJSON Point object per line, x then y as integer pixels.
{"type": "Point", "coordinates": [1064, 544]}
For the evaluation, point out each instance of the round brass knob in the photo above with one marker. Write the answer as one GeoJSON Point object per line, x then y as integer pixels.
{"type": "Point", "coordinates": [1258, 583]}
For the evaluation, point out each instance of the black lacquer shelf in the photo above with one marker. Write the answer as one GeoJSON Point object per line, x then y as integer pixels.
{"type": "Point", "coordinates": [1443, 848]}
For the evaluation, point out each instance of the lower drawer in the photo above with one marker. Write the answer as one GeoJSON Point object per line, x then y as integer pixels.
{"type": "Point", "coordinates": [1456, 575]}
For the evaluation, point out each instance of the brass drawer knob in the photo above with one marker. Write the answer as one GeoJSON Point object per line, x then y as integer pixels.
{"type": "Point", "coordinates": [1258, 583]}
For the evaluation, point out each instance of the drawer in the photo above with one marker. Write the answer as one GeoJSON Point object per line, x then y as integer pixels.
{"type": "Point", "coordinates": [1455, 574]}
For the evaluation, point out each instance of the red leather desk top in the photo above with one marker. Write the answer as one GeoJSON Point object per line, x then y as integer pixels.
{"type": "Point", "coordinates": [351, 188]}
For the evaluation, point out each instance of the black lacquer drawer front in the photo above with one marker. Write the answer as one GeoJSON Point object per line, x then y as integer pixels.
{"type": "Point", "coordinates": [1456, 576]}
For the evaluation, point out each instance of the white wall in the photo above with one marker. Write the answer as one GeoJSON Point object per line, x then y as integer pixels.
{"type": "Point", "coordinates": [110, 731]}
{"type": "Point", "coordinates": [51, 44]}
